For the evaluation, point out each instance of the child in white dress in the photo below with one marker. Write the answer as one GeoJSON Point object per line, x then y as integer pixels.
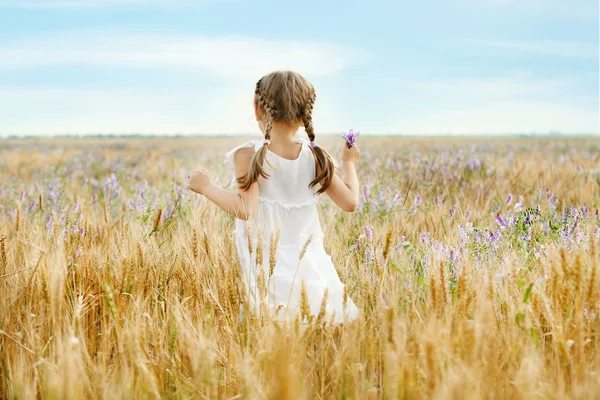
{"type": "Point", "coordinates": [275, 204]}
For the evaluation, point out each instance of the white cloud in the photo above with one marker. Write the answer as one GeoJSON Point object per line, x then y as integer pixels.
{"type": "Point", "coordinates": [507, 104]}
{"type": "Point", "coordinates": [222, 109]}
{"type": "Point", "coordinates": [227, 56]}
{"type": "Point", "coordinates": [562, 9]}
{"type": "Point", "coordinates": [546, 47]}
{"type": "Point", "coordinates": [41, 4]}
{"type": "Point", "coordinates": [510, 117]}
{"type": "Point", "coordinates": [60, 110]}
{"type": "Point", "coordinates": [222, 106]}
{"type": "Point", "coordinates": [515, 103]}
{"type": "Point", "coordinates": [512, 103]}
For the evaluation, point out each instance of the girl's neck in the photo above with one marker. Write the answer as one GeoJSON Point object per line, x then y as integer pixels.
{"type": "Point", "coordinates": [282, 141]}
{"type": "Point", "coordinates": [282, 133]}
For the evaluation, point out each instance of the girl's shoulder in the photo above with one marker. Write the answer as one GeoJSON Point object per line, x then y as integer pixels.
{"type": "Point", "coordinates": [251, 144]}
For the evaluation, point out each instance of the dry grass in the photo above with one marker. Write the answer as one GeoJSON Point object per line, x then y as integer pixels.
{"type": "Point", "coordinates": [104, 295]}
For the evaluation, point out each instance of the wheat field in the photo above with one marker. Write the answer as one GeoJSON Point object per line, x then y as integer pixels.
{"type": "Point", "coordinates": [475, 263]}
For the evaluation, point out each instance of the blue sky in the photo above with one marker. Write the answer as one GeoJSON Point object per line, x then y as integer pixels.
{"type": "Point", "coordinates": [183, 66]}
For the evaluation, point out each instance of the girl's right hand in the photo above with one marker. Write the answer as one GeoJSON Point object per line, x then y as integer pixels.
{"type": "Point", "coordinates": [198, 181]}
{"type": "Point", "coordinates": [350, 154]}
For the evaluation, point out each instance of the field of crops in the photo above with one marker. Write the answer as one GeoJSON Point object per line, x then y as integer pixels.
{"type": "Point", "coordinates": [475, 263]}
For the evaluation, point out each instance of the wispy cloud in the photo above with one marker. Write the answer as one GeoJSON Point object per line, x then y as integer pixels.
{"type": "Point", "coordinates": [510, 103]}
{"type": "Point", "coordinates": [227, 56]}
{"type": "Point", "coordinates": [211, 110]}
{"type": "Point", "coordinates": [519, 84]}
{"type": "Point", "coordinates": [49, 4]}
{"type": "Point", "coordinates": [510, 117]}
{"type": "Point", "coordinates": [521, 102]}
{"type": "Point", "coordinates": [564, 9]}
{"type": "Point", "coordinates": [546, 47]}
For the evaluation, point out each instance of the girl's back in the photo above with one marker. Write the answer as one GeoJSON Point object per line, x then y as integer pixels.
{"type": "Point", "coordinates": [286, 202]}
{"type": "Point", "coordinates": [289, 179]}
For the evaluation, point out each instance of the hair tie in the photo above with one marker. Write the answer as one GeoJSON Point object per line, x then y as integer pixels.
{"type": "Point", "coordinates": [313, 144]}
{"type": "Point", "coordinates": [266, 142]}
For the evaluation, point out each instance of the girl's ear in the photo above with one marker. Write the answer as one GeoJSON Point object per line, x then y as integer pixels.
{"type": "Point", "coordinates": [257, 112]}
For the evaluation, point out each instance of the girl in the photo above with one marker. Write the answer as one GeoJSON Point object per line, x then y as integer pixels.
{"type": "Point", "coordinates": [275, 204]}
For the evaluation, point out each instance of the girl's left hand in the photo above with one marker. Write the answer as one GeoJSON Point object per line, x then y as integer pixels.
{"type": "Point", "coordinates": [350, 154]}
{"type": "Point", "coordinates": [198, 181]}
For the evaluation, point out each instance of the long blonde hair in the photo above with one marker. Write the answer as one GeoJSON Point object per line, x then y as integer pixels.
{"type": "Point", "coordinates": [285, 96]}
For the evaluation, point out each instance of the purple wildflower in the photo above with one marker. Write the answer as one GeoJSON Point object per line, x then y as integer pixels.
{"type": "Point", "coordinates": [553, 202]}
{"type": "Point", "coordinates": [350, 137]}
{"type": "Point", "coordinates": [452, 212]}
{"type": "Point", "coordinates": [169, 213]}
{"type": "Point", "coordinates": [501, 222]}
{"type": "Point", "coordinates": [49, 224]}
{"type": "Point", "coordinates": [396, 199]}
{"type": "Point", "coordinates": [366, 192]}
{"type": "Point", "coordinates": [495, 236]}
{"type": "Point", "coordinates": [418, 200]}
{"type": "Point", "coordinates": [519, 205]}
{"type": "Point", "coordinates": [464, 236]}
{"type": "Point", "coordinates": [381, 195]}
{"type": "Point", "coordinates": [369, 232]}
{"type": "Point", "coordinates": [509, 199]}
{"type": "Point", "coordinates": [453, 255]}
{"type": "Point", "coordinates": [54, 194]}
{"type": "Point", "coordinates": [112, 188]}
{"type": "Point", "coordinates": [474, 164]}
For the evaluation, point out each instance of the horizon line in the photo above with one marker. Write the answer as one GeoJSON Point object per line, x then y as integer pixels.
{"type": "Point", "coordinates": [233, 135]}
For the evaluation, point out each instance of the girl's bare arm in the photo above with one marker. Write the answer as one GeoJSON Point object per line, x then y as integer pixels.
{"type": "Point", "coordinates": [345, 192]}
{"type": "Point", "coordinates": [242, 205]}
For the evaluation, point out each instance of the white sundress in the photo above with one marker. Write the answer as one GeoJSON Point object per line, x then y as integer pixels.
{"type": "Point", "coordinates": [287, 204]}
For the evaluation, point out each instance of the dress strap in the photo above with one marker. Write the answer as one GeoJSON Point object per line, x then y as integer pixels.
{"type": "Point", "coordinates": [301, 140]}
{"type": "Point", "coordinates": [251, 143]}
{"type": "Point", "coordinates": [306, 146]}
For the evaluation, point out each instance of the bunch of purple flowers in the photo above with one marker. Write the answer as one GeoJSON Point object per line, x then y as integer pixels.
{"type": "Point", "coordinates": [350, 137]}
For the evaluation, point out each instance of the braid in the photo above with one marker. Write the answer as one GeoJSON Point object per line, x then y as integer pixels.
{"type": "Point", "coordinates": [307, 116]}
{"type": "Point", "coordinates": [325, 165]}
{"type": "Point", "coordinates": [268, 109]}
{"type": "Point", "coordinates": [256, 169]}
